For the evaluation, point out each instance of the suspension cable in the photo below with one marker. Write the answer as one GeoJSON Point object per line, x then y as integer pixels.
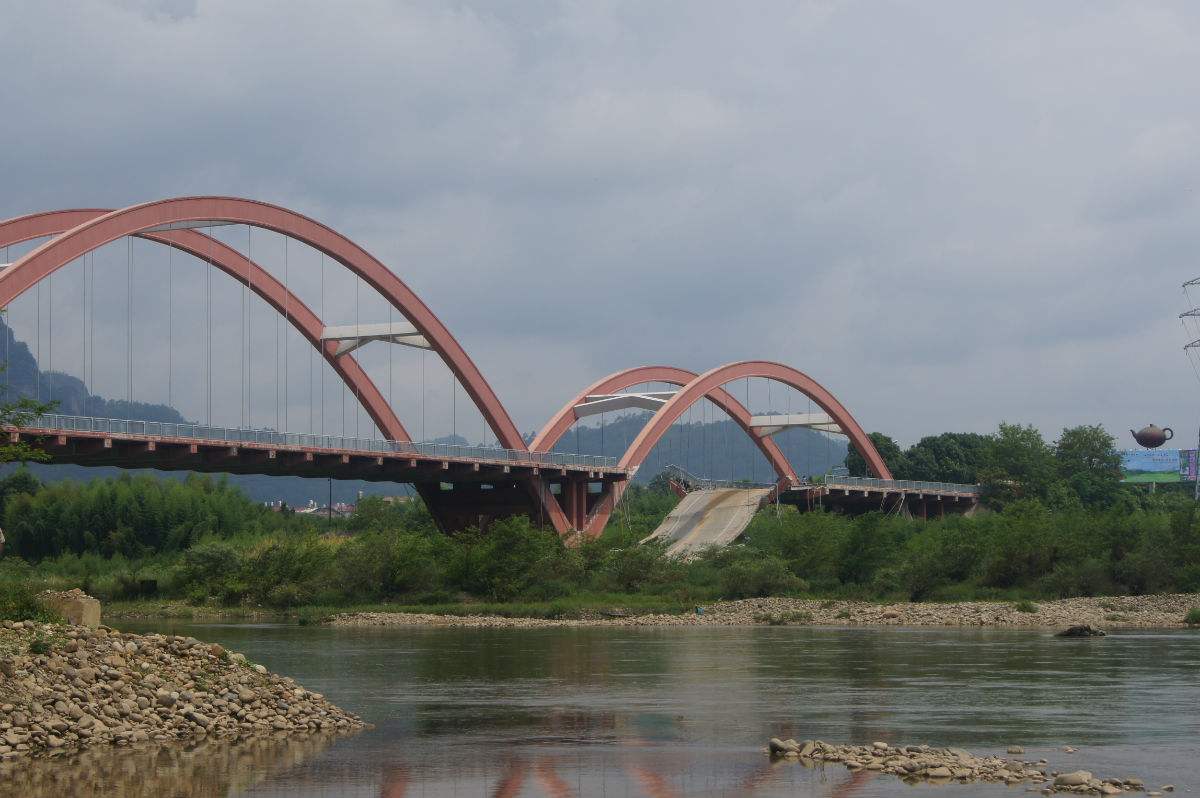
{"type": "Point", "coordinates": [357, 326]}
{"type": "Point", "coordinates": [50, 356]}
{"type": "Point", "coordinates": [322, 343]}
{"type": "Point", "coordinates": [91, 324]}
{"type": "Point", "coordinates": [391, 386]}
{"type": "Point", "coordinates": [286, 324]}
{"type": "Point", "coordinates": [129, 314]}
{"type": "Point", "coordinates": [38, 318]}
{"type": "Point", "coordinates": [248, 358]}
{"type": "Point", "coordinates": [244, 349]}
{"type": "Point", "coordinates": [208, 331]}
{"type": "Point", "coordinates": [7, 339]}
{"type": "Point", "coordinates": [170, 326]}
{"type": "Point", "coordinates": [275, 324]}
{"type": "Point", "coordinates": [423, 438]}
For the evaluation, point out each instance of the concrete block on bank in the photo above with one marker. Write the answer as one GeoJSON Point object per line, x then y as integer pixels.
{"type": "Point", "coordinates": [74, 605]}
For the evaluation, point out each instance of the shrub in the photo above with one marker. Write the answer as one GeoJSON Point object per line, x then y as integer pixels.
{"type": "Point", "coordinates": [18, 602]}
{"type": "Point", "coordinates": [1193, 617]}
{"type": "Point", "coordinates": [39, 645]}
{"type": "Point", "coordinates": [1026, 606]}
{"type": "Point", "coordinates": [635, 568]}
{"type": "Point", "coordinates": [286, 596]}
{"type": "Point", "coordinates": [753, 576]}
{"type": "Point", "coordinates": [209, 562]}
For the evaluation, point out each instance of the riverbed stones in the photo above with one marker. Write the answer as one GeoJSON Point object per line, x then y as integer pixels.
{"type": "Point", "coordinates": [104, 687]}
{"type": "Point", "coordinates": [914, 763]}
{"type": "Point", "coordinates": [1163, 611]}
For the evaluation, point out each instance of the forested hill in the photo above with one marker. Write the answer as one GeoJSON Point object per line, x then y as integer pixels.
{"type": "Point", "coordinates": [716, 450]}
{"type": "Point", "coordinates": [23, 377]}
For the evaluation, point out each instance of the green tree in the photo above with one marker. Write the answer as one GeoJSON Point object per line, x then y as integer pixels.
{"type": "Point", "coordinates": [19, 413]}
{"type": "Point", "coordinates": [949, 457]}
{"type": "Point", "coordinates": [1021, 466]}
{"type": "Point", "coordinates": [888, 450]}
{"type": "Point", "coordinates": [1088, 462]}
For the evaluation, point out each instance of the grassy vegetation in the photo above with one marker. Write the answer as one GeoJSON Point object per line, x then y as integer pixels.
{"type": "Point", "coordinates": [1059, 526]}
{"type": "Point", "coordinates": [397, 561]}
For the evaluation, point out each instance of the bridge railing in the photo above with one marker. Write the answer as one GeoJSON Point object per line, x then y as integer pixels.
{"type": "Point", "coordinates": [907, 485]}
{"type": "Point", "coordinates": [162, 429]}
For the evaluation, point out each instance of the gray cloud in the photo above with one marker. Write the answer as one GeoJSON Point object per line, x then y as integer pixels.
{"type": "Point", "coordinates": [950, 213]}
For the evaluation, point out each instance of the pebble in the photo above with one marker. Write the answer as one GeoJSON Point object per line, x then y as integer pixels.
{"type": "Point", "coordinates": [913, 763]}
{"type": "Point", "coordinates": [104, 687]}
{"type": "Point", "coordinates": [1163, 611]}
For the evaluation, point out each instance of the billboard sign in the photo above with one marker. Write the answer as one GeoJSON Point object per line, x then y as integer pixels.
{"type": "Point", "coordinates": [1152, 465]}
{"type": "Point", "coordinates": [1188, 465]}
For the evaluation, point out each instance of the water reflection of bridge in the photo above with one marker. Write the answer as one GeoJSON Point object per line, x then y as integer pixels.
{"type": "Point", "coordinates": [650, 780]}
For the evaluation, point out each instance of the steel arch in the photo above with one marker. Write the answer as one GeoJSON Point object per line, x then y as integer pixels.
{"type": "Point", "coordinates": [558, 425]}
{"type": "Point", "coordinates": [245, 271]}
{"type": "Point", "coordinates": [562, 421]}
{"type": "Point", "coordinates": [93, 233]}
{"type": "Point", "coordinates": [715, 378]}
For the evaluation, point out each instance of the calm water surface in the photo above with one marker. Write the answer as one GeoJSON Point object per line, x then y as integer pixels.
{"type": "Point", "coordinates": [674, 712]}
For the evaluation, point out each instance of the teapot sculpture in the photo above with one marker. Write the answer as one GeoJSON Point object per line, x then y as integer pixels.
{"type": "Point", "coordinates": [1152, 436]}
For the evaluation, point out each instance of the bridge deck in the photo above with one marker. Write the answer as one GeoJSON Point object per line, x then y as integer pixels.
{"type": "Point", "coordinates": [864, 494]}
{"type": "Point", "coordinates": [163, 446]}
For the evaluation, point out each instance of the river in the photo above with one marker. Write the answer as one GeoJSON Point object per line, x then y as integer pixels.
{"type": "Point", "coordinates": [675, 711]}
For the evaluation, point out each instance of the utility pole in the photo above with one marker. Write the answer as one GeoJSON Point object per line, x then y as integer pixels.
{"type": "Point", "coordinates": [1192, 350]}
{"type": "Point", "coordinates": [329, 510]}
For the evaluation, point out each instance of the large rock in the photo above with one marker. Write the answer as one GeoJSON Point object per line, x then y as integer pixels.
{"type": "Point", "coordinates": [1083, 630]}
{"type": "Point", "coordinates": [75, 606]}
{"type": "Point", "coordinates": [1078, 778]}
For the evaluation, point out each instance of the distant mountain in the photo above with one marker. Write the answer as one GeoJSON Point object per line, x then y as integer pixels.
{"type": "Point", "coordinates": [717, 450]}
{"type": "Point", "coordinates": [23, 377]}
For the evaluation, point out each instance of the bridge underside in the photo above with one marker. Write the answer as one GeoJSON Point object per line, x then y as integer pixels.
{"type": "Point", "coordinates": [459, 492]}
{"type": "Point", "coordinates": [856, 501]}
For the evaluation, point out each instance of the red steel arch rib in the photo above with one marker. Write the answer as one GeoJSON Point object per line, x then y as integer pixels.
{"type": "Point", "coordinates": [236, 265]}
{"type": "Point", "coordinates": [715, 378]}
{"type": "Point", "coordinates": [562, 421]}
{"type": "Point", "coordinates": [705, 385]}
{"type": "Point", "coordinates": [93, 233]}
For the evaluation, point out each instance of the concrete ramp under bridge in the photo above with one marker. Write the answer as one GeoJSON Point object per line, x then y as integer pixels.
{"type": "Point", "coordinates": [707, 518]}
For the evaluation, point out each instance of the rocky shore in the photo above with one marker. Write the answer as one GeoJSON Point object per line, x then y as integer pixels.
{"type": "Point", "coordinates": [1121, 612]}
{"type": "Point", "coordinates": [915, 763]}
{"type": "Point", "coordinates": [64, 688]}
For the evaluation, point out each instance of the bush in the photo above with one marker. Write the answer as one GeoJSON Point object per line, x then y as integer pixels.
{"type": "Point", "coordinates": [754, 576]}
{"type": "Point", "coordinates": [209, 563]}
{"type": "Point", "coordinates": [18, 602]}
{"type": "Point", "coordinates": [1193, 617]}
{"type": "Point", "coordinates": [1026, 606]}
{"type": "Point", "coordinates": [636, 569]}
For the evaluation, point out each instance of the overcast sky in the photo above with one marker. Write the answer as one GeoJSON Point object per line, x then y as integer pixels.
{"type": "Point", "coordinates": [951, 214]}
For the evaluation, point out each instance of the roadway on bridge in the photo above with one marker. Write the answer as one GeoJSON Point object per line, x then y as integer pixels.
{"type": "Point", "coordinates": [707, 518]}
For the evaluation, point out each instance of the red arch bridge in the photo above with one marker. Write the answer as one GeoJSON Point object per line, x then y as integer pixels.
{"type": "Point", "coordinates": [462, 485]}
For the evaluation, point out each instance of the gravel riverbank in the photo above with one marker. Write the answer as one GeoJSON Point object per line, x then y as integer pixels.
{"type": "Point", "coordinates": [63, 688]}
{"type": "Point", "coordinates": [915, 763]}
{"type": "Point", "coordinates": [1109, 613]}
